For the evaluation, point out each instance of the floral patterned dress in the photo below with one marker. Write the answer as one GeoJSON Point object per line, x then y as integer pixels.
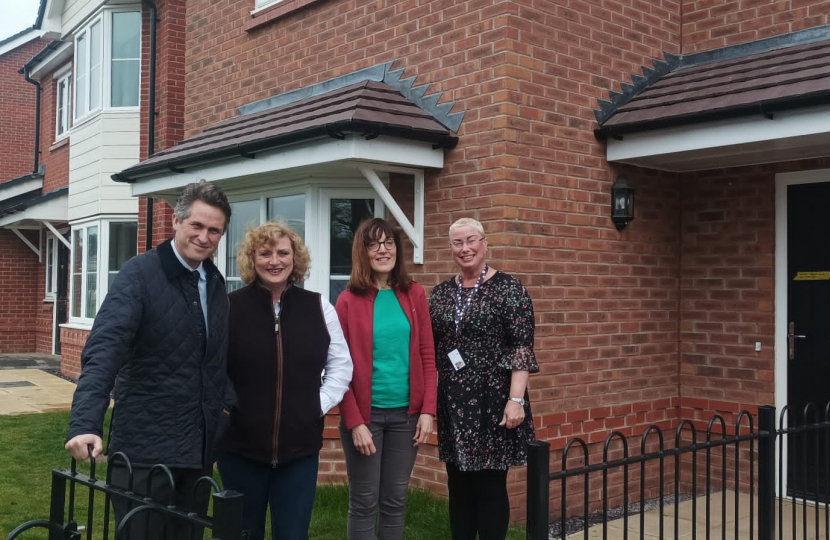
{"type": "Point", "coordinates": [495, 337]}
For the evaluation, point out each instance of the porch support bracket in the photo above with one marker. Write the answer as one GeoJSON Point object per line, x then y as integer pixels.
{"type": "Point", "coordinates": [415, 231]}
{"type": "Point", "coordinates": [26, 241]}
{"type": "Point", "coordinates": [58, 235]}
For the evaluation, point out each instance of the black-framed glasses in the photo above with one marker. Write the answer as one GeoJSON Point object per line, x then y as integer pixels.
{"type": "Point", "coordinates": [389, 244]}
{"type": "Point", "coordinates": [471, 241]}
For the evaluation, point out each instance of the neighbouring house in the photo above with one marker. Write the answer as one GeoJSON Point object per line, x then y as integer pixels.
{"type": "Point", "coordinates": [522, 115]}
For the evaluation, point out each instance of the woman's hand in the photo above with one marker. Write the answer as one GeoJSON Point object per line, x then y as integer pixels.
{"type": "Point", "coordinates": [423, 430]}
{"type": "Point", "coordinates": [362, 439]}
{"type": "Point", "coordinates": [514, 414]}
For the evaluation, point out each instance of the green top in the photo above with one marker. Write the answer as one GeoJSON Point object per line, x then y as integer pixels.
{"type": "Point", "coordinates": [390, 353]}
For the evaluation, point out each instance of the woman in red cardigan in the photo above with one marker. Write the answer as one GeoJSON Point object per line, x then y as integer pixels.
{"type": "Point", "coordinates": [389, 407]}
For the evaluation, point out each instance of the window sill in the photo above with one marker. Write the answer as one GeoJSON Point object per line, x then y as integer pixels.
{"type": "Point", "coordinates": [49, 300]}
{"type": "Point", "coordinates": [60, 143]}
{"type": "Point", "coordinates": [76, 325]}
{"type": "Point", "coordinates": [267, 14]}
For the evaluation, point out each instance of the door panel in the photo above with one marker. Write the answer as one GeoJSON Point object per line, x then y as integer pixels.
{"type": "Point", "coordinates": [808, 310]}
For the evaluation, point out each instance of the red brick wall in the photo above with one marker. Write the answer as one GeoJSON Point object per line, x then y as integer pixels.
{"type": "Point", "coordinates": [54, 155]}
{"type": "Point", "coordinates": [17, 112]}
{"type": "Point", "coordinates": [710, 24]}
{"type": "Point", "coordinates": [21, 293]}
{"type": "Point", "coordinates": [72, 344]}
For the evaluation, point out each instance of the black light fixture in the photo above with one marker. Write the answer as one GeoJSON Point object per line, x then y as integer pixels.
{"type": "Point", "coordinates": [622, 202]}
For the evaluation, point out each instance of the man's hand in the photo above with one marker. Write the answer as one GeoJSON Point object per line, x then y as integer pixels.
{"type": "Point", "coordinates": [77, 446]}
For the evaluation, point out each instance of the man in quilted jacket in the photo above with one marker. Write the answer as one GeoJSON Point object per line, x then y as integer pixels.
{"type": "Point", "coordinates": [160, 339]}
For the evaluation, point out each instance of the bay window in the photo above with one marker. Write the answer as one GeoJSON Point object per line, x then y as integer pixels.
{"type": "Point", "coordinates": [108, 62]}
{"type": "Point", "coordinates": [326, 219]}
{"type": "Point", "coordinates": [99, 250]}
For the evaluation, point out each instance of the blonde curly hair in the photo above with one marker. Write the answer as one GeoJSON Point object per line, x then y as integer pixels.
{"type": "Point", "coordinates": [267, 234]}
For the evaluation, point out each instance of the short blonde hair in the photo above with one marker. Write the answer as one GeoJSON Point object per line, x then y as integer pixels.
{"type": "Point", "coordinates": [267, 234]}
{"type": "Point", "coordinates": [467, 222]}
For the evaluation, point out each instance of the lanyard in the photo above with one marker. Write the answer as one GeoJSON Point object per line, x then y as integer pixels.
{"type": "Point", "coordinates": [459, 312]}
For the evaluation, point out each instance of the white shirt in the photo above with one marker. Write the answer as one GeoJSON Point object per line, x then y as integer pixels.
{"type": "Point", "coordinates": [338, 371]}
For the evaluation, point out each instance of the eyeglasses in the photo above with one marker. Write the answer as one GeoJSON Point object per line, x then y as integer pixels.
{"type": "Point", "coordinates": [389, 244]}
{"type": "Point", "coordinates": [471, 241]}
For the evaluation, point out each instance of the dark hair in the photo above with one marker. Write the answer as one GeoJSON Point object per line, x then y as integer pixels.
{"type": "Point", "coordinates": [371, 230]}
{"type": "Point", "coordinates": [209, 194]}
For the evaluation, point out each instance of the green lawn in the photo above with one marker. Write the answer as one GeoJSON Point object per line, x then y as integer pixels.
{"type": "Point", "coordinates": [32, 445]}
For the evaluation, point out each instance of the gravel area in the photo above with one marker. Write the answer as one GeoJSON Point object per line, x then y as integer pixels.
{"type": "Point", "coordinates": [577, 523]}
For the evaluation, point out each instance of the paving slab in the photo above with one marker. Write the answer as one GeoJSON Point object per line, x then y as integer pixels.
{"type": "Point", "coordinates": [25, 391]}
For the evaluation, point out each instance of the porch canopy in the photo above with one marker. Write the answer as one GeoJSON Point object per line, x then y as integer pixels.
{"type": "Point", "coordinates": [24, 206]}
{"type": "Point", "coordinates": [336, 129]}
{"type": "Point", "coordinates": [759, 102]}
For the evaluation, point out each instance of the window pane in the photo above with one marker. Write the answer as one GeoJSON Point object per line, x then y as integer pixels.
{"type": "Point", "coordinates": [126, 45]}
{"type": "Point", "coordinates": [243, 214]}
{"type": "Point", "coordinates": [77, 270]}
{"type": "Point", "coordinates": [336, 286]}
{"type": "Point", "coordinates": [125, 83]}
{"type": "Point", "coordinates": [91, 271]}
{"type": "Point", "coordinates": [123, 246]}
{"type": "Point", "coordinates": [125, 35]}
{"type": "Point", "coordinates": [61, 106]}
{"type": "Point", "coordinates": [95, 66]}
{"type": "Point", "coordinates": [50, 266]}
{"type": "Point", "coordinates": [81, 78]}
{"type": "Point", "coordinates": [291, 210]}
{"type": "Point", "coordinates": [346, 215]}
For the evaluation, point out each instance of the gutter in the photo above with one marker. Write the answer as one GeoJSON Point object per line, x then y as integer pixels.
{"type": "Point", "coordinates": [25, 71]}
{"type": "Point", "coordinates": [151, 120]}
{"type": "Point", "coordinates": [336, 130]}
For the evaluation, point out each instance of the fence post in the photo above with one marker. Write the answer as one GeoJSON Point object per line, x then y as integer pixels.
{"type": "Point", "coordinates": [538, 489]}
{"type": "Point", "coordinates": [766, 473]}
{"type": "Point", "coordinates": [56, 506]}
{"type": "Point", "coordinates": [227, 515]}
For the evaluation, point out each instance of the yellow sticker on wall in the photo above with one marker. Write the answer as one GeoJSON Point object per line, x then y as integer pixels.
{"type": "Point", "coordinates": [812, 276]}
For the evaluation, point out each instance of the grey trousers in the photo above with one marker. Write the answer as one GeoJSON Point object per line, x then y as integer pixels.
{"type": "Point", "coordinates": [378, 483]}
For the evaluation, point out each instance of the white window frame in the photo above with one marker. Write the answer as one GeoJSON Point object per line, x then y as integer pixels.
{"type": "Point", "coordinates": [51, 255]}
{"type": "Point", "coordinates": [259, 5]}
{"type": "Point", "coordinates": [317, 222]}
{"type": "Point", "coordinates": [81, 114]}
{"type": "Point", "coordinates": [107, 67]}
{"type": "Point", "coordinates": [63, 107]}
{"type": "Point", "coordinates": [102, 279]}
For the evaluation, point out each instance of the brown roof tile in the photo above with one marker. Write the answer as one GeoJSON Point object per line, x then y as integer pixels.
{"type": "Point", "coordinates": [368, 107]}
{"type": "Point", "coordinates": [790, 76]}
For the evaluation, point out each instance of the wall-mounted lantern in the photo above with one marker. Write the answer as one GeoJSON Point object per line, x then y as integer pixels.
{"type": "Point", "coordinates": [622, 202]}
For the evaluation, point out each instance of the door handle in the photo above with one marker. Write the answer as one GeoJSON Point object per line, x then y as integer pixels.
{"type": "Point", "coordinates": [791, 337]}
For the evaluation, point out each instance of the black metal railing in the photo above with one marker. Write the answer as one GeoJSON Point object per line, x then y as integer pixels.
{"type": "Point", "coordinates": [728, 461]}
{"type": "Point", "coordinates": [224, 524]}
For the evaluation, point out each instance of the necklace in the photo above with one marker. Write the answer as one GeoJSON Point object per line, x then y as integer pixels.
{"type": "Point", "coordinates": [459, 311]}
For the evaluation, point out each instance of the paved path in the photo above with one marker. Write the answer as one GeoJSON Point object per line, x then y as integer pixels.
{"type": "Point", "coordinates": [26, 388]}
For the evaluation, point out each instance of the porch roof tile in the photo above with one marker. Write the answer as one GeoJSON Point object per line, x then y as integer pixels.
{"type": "Point", "coordinates": [369, 108]}
{"type": "Point", "coordinates": [726, 83]}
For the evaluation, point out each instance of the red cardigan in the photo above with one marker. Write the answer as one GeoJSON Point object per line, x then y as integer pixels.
{"type": "Point", "coordinates": [356, 315]}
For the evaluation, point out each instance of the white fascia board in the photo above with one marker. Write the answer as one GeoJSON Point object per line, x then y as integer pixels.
{"type": "Point", "coordinates": [57, 58]}
{"type": "Point", "coordinates": [52, 210]}
{"type": "Point", "coordinates": [324, 151]}
{"type": "Point", "coordinates": [21, 188]}
{"type": "Point", "coordinates": [31, 35]}
{"type": "Point", "coordinates": [744, 140]}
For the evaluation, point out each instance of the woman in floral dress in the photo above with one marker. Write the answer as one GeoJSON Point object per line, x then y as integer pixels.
{"type": "Point", "coordinates": [483, 325]}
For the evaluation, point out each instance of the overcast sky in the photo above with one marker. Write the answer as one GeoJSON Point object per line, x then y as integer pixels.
{"type": "Point", "coordinates": [17, 15]}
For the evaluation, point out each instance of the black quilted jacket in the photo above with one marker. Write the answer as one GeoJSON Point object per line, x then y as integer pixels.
{"type": "Point", "coordinates": [170, 383]}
